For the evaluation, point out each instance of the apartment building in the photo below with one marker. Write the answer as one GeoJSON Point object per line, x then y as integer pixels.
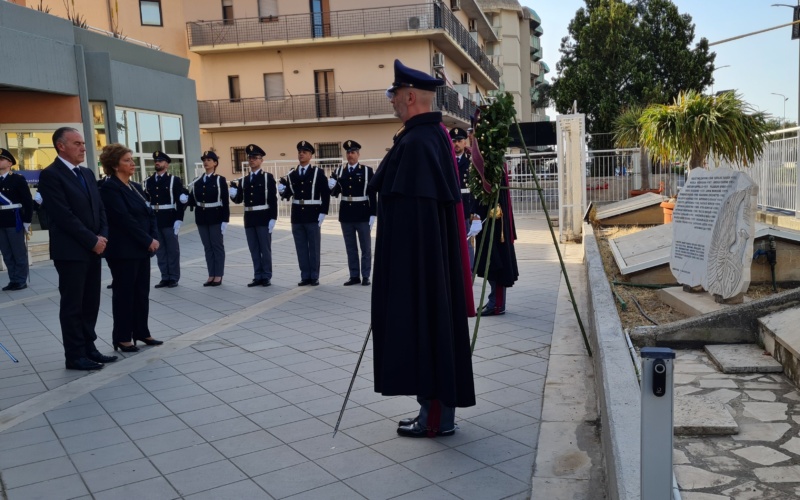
{"type": "Point", "coordinates": [275, 72]}
{"type": "Point", "coordinates": [110, 89]}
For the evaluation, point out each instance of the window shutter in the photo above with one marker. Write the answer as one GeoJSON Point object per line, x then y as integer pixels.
{"type": "Point", "coordinates": [273, 86]}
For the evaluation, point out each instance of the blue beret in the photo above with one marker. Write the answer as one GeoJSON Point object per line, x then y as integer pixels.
{"type": "Point", "coordinates": [408, 77]}
{"type": "Point", "coordinates": [253, 150]}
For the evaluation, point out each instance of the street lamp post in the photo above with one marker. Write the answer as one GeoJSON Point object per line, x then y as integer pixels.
{"type": "Point", "coordinates": [720, 67]}
{"type": "Point", "coordinates": [784, 106]}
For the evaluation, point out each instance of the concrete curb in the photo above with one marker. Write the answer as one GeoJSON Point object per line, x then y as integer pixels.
{"type": "Point", "coordinates": [617, 388]}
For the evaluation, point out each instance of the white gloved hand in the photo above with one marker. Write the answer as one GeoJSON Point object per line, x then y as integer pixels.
{"type": "Point", "coordinates": [281, 188]}
{"type": "Point", "coordinates": [183, 198]}
{"type": "Point", "coordinates": [271, 225]}
{"type": "Point", "coordinates": [223, 226]}
{"type": "Point", "coordinates": [232, 191]}
{"type": "Point", "coordinates": [474, 228]}
{"type": "Point", "coordinates": [177, 227]}
{"type": "Point", "coordinates": [371, 221]}
{"type": "Point", "coordinates": [321, 218]}
{"type": "Point", "coordinates": [37, 198]}
{"type": "Point", "coordinates": [27, 226]}
{"type": "Point", "coordinates": [331, 183]}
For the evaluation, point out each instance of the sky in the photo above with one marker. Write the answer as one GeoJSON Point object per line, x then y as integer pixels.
{"type": "Point", "coordinates": [756, 66]}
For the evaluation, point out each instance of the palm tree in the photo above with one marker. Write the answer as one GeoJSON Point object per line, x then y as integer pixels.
{"type": "Point", "coordinates": [627, 132]}
{"type": "Point", "coordinates": [696, 125]}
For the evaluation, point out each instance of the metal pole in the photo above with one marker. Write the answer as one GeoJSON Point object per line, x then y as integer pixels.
{"type": "Point", "coordinates": [656, 423]}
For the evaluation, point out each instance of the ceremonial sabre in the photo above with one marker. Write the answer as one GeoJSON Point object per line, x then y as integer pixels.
{"type": "Point", "coordinates": [15, 360]}
{"type": "Point", "coordinates": [355, 372]}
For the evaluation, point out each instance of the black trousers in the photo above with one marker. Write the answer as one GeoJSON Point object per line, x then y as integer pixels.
{"type": "Point", "coordinates": [130, 302]}
{"type": "Point", "coordinates": [79, 285]}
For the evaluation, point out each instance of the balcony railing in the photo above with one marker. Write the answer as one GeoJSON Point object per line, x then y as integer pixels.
{"type": "Point", "coordinates": [309, 107]}
{"type": "Point", "coordinates": [338, 24]}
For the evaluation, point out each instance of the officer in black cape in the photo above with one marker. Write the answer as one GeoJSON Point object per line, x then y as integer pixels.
{"type": "Point", "coordinates": [421, 343]}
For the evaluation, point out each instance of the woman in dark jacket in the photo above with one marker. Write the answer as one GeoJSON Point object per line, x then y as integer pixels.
{"type": "Point", "coordinates": [209, 196]}
{"type": "Point", "coordinates": [131, 242]}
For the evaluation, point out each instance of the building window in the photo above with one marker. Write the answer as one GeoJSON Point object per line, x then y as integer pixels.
{"type": "Point", "coordinates": [150, 11]}
{"type": "Point", "coordinates": [144, 132]}
{"type": "Point", "coordinates": [233, 88]}
{"type": "Point", "coordinates": [238, 157]}
{"type": "Point", "coordinates": [329, 155]}
{"type": "Point", "coordinates": [273, 86]}
{"type": "Point", "coordinates": [227, 11]}
{"type": "Point", "coordinates": [267, 9]}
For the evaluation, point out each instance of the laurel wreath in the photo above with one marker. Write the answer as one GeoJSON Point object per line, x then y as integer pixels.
{"type": "Point", "coordinates": [491, 132]}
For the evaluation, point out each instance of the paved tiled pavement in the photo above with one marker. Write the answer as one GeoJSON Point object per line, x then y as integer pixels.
{"type": "Point", "coordinates": [241, 400]}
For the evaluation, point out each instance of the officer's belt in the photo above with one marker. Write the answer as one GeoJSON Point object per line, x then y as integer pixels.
{"type": "Point", "coordinates": [10, 207]}
{"type": "Point", "coordinates": [256, 208]}
{"type": "Point", "coordinates": [465, 191]}
{"type": "Point", "coordinates": [306, 202]}
{"type": "Point", "coordinates": [209, 205]}
{"type": "Point", "coordinates": [355, 198]}
{"type": "Point", "coordinates": [163, 207]}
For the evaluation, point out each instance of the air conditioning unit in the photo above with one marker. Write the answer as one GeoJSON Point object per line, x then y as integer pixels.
{"type": "Point", "coordinates": [438, 60]}
{"type": "Point", "coordinates": [465, 78]}
{"type": "Point", "coordinates": [418, 23]}
{"type": "Point", "coordinates": [455, 4]}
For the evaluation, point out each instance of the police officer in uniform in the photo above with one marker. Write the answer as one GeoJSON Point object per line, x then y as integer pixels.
{"type": "Point", "coordinates": [212, 214]}
{"type": "Point", "coordinates": [356, 212]}
{"type": "Point", "coordinates": [16, 212]}
{"type": "Point", "coordinates": [259, 194]}
{"type": "Point", "coordinates": [308, 188]}
{"type": "Point", "coordinates": [459, 138]}
{"type": "Point", "coordinates": [164, 192]}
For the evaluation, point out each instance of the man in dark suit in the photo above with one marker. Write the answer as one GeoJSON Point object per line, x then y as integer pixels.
{"type": "Point", "coordinates": [311, 197]}
{"type": "Point", "coordinates": [356, 212]}
{"type": "Point", "coordinates": [258, 192]}
{"type": "Point", "coordinates": [164, 192]}
{"type": "Point", "coordinates": [78, 236]}
{"type": "Point", "coordinates": [16, 211]}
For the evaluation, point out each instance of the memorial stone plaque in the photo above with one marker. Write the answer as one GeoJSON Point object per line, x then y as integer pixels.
{"type": "Point", "coordinates": [713, 228]}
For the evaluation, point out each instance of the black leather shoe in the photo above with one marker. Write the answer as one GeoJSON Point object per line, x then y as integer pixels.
{"type": "Point", "coordinates": [313, 282]}
{"type": "Point", "coordinates": [352, 281]}
{"type": "Point", "coordinates": [8, 287]}
{"type": "Point", "coordinates": [162, 284]}
{"type": "Point", "coordinates": [82, 364]}
{"type": "Point", "coordinates": [408, 421]}
{"type": "Point", "coordinates": [110, 285]}
{"type": "Point", "coordinates": [265, 283]}
{"type": "Point", "coordinates": [416, 431]}
{"type": "Point", "coordinates": [15, 286]}
{"type": "Point", "coordinates": [208, 283]}
{"type": "Point", "coordinates": [150, 341]}
{"type": "Point", "coordinates": [172, 284]}
{"type": "Point", "coordinates": [125, 348]}
{"type": "Point", "coordinates": [98, 357]}
{"type": "Point", "coordinates": [491, 312]}
{"type": "Point", "coordinates": [304, 283]}
{"type": "Point", "coordinates": [254, 283]}
{"type": "Point", "coordinates": [365, 282]}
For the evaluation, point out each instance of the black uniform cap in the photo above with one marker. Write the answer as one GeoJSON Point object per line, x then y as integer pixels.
{"type": "Point", "coordinates": [457, 134]}
{"type": "Point", "coordinates": [160, 155]}
{"type": "Point", "coordinates": [253, 150]}
{"type": "Point", "coordinates": [4, 153]}
{"type": "Point", "coordinates": [305, 146]}
{"type": "Point", "coordinates": [409, 77]}
{"type": "Point", "coordinates": [351, 146]}
{"type": "Point", "coordinates": [210, 155]}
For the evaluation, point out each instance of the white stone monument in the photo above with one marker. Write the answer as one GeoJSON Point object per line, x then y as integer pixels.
{"type": "Point", "coordinates": [713, 230]}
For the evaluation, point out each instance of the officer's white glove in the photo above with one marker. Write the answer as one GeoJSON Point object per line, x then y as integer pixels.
{"type": "Point", "coordinates": [271, 225]}
{"type": "Point", "coordinates": [371, 221]}
{"type": "Point", "coordinates": [331, 183]}
{"type": "Point", "coordinates": [37, 198]}
{"type": "Point", "coordinates": [223, 226]}
{"type": "Point", "coordinates": [27, 226]}
{"type": "Point", "coordinates": [281, 188]}
{"type": "Point", "coordinates": [176, 228]}
{"type": "Point", "coordinates": [184, 198]}
{"type": "Point", "coordinates": [474, 228]}
{"type": "Point", "coordinates": [232, 191]}
{"type": "Point", "coordinates": [321, 218]}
